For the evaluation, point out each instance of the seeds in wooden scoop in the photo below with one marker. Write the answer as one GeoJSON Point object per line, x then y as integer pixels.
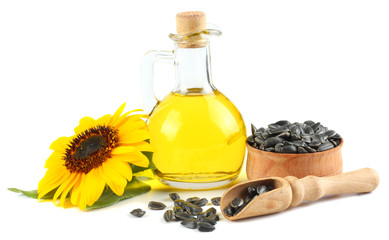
{"type": "Point", "coordinates": [238, 204]}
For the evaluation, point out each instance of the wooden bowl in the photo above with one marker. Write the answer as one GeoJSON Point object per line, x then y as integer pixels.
{"type": "Point", "coordinates": [269, 164]}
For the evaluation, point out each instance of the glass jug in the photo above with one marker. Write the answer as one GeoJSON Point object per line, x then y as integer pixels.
{"type": "Point", "coordinates": [198, 134]}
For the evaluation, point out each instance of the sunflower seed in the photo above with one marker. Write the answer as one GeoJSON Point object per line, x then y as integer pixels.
{"type": "Point", "coordinates": [237, 202]}
{"type": "Point", "coordinates": [189, 223]}
{"type": "Point", "coordinates": [272, 141]}
{"type": "Point", "coordinates": [138, 212]}
{"type": "Point", "coordinates": [259, 140]}
{"type": "Point", "coordinates": [192, 208]}
{"type": "Point", "coordinates": [289, 149]}
{"type": "Point", "coordinates": [213, 217]}
{"type": "Point", "coordinates": [178, 209]}
{"type": "Point", "coordinates": [325, 146]}
{"type": "Point", "coordinates": [179, 203]}
{"type": "Point", "coordinates": [252, 191]}
{"type": "Point", "coordinates": [201, 202]}
{"type": "Point", "coordinates": [301, 150]}
{"type": "Point", "coordinates": [168, 215]}
{"type": "Point", "coordinates": [205, 227]}
{"type": "Point", "coordinates": [174, 196]}
{"type": "Point", "coordinates": [229, 211]}
{"type": "Point", "coordinates": [208, 221]}
{"type": "Point", "coordinates": [183, 215]}
{"type": "Point", "coordinates": [216, 201]}
{"type": "Point", "coordinates": [210, 211]}
{"type": "Point", "coordinates": [253, 129]}
{"type": "Point", "coordinates": [309, 149]}
{"type": "Point", "coordinates": [283, 122]}
{"type": "Point", "coordinates": [192, 199]}
{"type": "Point", "coordinates": [261, 189]}
{"type": "Point", "coordinates": [153, 205]}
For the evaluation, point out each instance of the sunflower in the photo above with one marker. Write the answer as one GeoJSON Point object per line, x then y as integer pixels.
{"type": "Point", "coordinates": [98, 155]}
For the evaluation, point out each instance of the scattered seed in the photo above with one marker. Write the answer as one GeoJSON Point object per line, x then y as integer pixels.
{"type": "Point", "coordinates": [153, 205]}
{"type": "Point", "coordinates": [178, 209]}
{"type": "Point", "coordinates": [174, 196]}
{"type": "Point", "coordinates": [201, 202]}
{"type": "Point", "coordinates": [210, 211]}
{"type": "Point", "coordinates": [168, 215]}
{"type": "Point", "coordinates": [192, 199]}
{"type": "Point", "coordinates": [190, 223]}
{"type": "Point", "coordinates": [138, 212]}
{"type": "Point", "coordinates": [205, 227]}
{"type": "Point", "coordinates": [179, 203]}
{"type": "Point", "coordinates": [192, 208]}
{"type": "Point", "coordinates": [183, 215]}
{"type": "Point", "coordinates": [216, 201]}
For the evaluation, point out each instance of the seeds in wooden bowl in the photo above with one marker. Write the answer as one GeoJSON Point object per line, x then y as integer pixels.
{"type": "Point", "coordinates": [299, 138]}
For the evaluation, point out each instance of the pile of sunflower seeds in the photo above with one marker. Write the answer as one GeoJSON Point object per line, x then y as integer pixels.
{"type": "Point", "coordinates": [239, 203]}
{"type": "Point", "coordinates": [189, 212]}
{"type": "Point", "coordinates": [285, 137]}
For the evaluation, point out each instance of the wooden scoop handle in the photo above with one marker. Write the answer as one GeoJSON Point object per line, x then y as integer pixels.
{"type": "Point", "coordinates": [312, 188]}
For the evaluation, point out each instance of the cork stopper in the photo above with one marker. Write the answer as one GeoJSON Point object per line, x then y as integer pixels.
{"type": "Point", "coordinates": [190, 22]}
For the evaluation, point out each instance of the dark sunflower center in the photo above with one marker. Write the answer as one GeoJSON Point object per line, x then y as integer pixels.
{"type": "Point", "coordinates": [90, 146]}
{"type": "Point", "coordinates": [90, 149]}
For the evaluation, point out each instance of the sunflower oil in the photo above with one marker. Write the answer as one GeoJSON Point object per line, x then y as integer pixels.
{"type": "Point", "coordinates": [198, 138]}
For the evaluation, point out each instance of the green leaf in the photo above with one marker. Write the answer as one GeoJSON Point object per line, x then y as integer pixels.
{"type": "Point", "coordinates": [133, 188]}
{"type": "Point", "coordinates": [151, 166]}
{"type": "Point", "coordinates": [107, 198]}
{"type": "Point", "coordinates": [33, 193]}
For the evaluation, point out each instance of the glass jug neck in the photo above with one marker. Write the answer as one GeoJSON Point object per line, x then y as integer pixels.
{"type": "Point", "coordinates": [193, 71]}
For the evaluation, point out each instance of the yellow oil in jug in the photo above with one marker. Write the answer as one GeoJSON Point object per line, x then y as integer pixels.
{"type": "Point", "coordinates": [197, 138]}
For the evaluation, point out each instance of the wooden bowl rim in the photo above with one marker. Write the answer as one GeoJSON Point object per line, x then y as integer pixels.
{"type": "Point", "coordinates": [285, 155]}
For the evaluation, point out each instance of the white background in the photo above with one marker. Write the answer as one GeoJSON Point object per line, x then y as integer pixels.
{"type": "Point", "coordinates": [297, 60]}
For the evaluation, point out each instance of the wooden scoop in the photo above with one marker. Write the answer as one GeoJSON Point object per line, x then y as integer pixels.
{"type": "Point", "coordinates": [291, 191]}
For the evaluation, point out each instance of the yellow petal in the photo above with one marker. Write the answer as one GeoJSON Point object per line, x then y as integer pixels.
{"type": "Point", "coordinates": [52, 179]}
{"type": "Point", "coordinates": [55, 160]}
{"type": "Point", "coordinates": [85, 123]}
{"type": "Point", "coordinates": [135, 136]}
{"type": "Point", "coordinates": [117, 114]}
{"type": "Point", "coordinates": [134, 157]}
{"type": "Point", "coordinates": [68, 188]}
{"type": "Point", "coordinates": [63, 186]}
{"type": "Point", "coordinates": [60, 144]}
{"type": "Point", "coordinates": [104, 120]}
{"type": "Point", "coordinates": [140, 146]}
{"type": "Point", "coordinates": [77, 197]}
{"type": "Point", "coordinates": [132, 126]}
{"type": "Point", "coordinates": [123, 150]}
{"type": "Point", "coordinates": [94, 186]}
{"type": "Point", "coordinates": [125, 118]}
{"type": "Point", "coordinates": [114, 180]}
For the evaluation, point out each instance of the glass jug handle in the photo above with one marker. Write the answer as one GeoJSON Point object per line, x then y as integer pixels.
{"type": "Point", "coordinates": [147, 76]}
